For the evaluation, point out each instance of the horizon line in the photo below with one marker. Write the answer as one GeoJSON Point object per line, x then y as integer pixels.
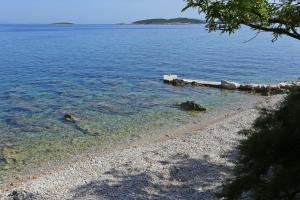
{"type": "Point", "coordinates": [74, 23]}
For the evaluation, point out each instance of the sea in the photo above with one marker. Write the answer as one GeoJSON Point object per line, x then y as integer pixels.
{"type": "Point", "coordinates": [109, 78]}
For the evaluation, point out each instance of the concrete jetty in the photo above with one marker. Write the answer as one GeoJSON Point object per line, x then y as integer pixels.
{"type": "Point", "coordinates": [263, 89]}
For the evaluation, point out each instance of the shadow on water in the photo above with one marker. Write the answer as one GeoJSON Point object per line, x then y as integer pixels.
{"type": "Point", "coordinates": [185, 179]}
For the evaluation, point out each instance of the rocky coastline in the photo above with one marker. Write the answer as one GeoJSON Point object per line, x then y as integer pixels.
{"type": "Point", "coordinates": [260, 89]}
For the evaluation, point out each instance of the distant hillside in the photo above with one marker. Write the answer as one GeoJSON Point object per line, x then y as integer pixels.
{"type": "Point", "coordinates": [62, 23]}
{"type": "Point", "coordinates": [170, 21]}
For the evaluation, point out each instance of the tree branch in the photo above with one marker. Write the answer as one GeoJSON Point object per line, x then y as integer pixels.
{"type": "Point", "coordinates": [278, 31]}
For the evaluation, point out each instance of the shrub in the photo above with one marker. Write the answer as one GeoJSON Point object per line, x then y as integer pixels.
{"type": "Point", "coordinates": [268, 166]}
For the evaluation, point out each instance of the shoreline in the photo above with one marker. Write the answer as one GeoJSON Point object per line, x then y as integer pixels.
{"type": "Point", "coordinates": [107, 143]}
{"type": "Point", "coordinates": [195, 143]}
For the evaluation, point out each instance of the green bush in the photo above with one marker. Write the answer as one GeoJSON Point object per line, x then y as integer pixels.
{"type": "Point", "coordinates": [268, 166]}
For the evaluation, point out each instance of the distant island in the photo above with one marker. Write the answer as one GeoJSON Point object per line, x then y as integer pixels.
{"type": "Point", "coordinates": [62, 23]}
{"type": "Point", "coordinates": [171, 21]}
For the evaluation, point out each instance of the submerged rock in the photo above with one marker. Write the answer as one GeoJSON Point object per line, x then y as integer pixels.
{"type": "Point", "coordinates": [191, 106]}
{"type": "Point", "coordinates": [78, 125]}
{"type": "Point", "coordinates": [69, 118]}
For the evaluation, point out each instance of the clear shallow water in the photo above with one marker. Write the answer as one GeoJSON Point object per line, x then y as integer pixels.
{"type": "Point", "coordinates": [109, 77]}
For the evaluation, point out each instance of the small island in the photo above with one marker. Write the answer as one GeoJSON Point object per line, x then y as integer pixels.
{"type": "Point", "coordinates": [62, 23]}
{"type": "Point", "coordinates": [162, 21]}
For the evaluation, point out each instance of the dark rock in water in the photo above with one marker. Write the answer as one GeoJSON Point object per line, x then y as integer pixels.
{"type": "Point", "coordinates": [21, 195]}
{"type": "Point", "coordinates": [246, 88]}
{"type": "Point", "coordinates": [3, 160]}
{"type": "Point", "coordinates": [178, 82]}
{"type": "Point", "coordinates": [14, 122]}
{"type": "Point", "coordinates": [191, 106]}
{"type": "Point", "coordinates": [77, 125]}
{"type": "Point", "coordinates": [69, 118]}
{"type": "Point", "coordinates": [265, 91]}
{"type": "Point", "coordinates": [194, 83]}
{"type": "Point", "coordinates": [275, 91]}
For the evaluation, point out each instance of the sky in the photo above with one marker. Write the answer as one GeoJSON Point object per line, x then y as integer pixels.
{"type": "Point", "coordinates": [90, 11]}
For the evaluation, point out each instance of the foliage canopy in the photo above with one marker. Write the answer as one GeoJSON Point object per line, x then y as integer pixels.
{"type": "Point", "coordinates": [268, 165]}
{"type": "Point", "coordinates": [281, 17]}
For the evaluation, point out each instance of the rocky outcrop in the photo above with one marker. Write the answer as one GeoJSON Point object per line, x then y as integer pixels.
{"type": "Point", "coordinates": [178, 82]}
{"type": "Point", "coordinates": [191, 106]}
{"type": "Point", "coordinates": [261, 89]}
{"type": "Point", "coordinates": [229, 85]}
{"type": "Point", "coordinates": [265, 90]}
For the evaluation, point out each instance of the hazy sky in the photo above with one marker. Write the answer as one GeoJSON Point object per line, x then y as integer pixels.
{"type": "Point", "coordinates": [89, 11]}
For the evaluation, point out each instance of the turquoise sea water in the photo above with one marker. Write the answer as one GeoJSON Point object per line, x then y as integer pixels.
{"type": "Point", "coordinates": [110, 78]}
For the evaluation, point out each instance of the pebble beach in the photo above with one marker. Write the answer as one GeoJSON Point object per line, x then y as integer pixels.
{"type": "Point", "coordinates": [191, 163]}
